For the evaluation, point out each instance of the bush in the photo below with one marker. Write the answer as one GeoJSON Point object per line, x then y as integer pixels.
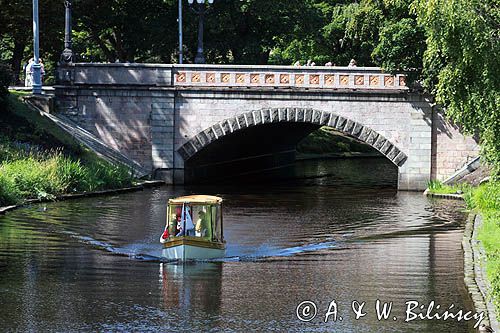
{"type": "Point", "coordinates": [46, 174]}
{"type": "Point", "coordinates": [71, 174]}
{"type": "Point", "coordinates": [101, 175]}
{"type": "Point", "coordinates": [33, 179]}
{"type": "Point", "coordinates": [9, 194]}
{"type": "Point", "coordinates": [487, 197]}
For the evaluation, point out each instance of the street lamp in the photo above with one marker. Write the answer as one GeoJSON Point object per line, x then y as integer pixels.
{"type": "Point", "coordinates": [36, 67]}
{"type": "Point", "coordinates": [67, 53]}
{"type": "Point", "coordinates": [200, 58]}
{"type": "Point", "coordinates": [180, 31]}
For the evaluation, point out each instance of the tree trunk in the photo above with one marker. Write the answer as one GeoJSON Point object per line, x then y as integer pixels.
{"type": "Point", "coordinates": [107, 52]}
{"type": "Point", "coordinates": [17, 58]}
{"type": "Point", "coordinates": [236, 55]}
{"type": "Point", "coordinates": [117, 42]}
{"type": "Point", "coordinates": [263, 58]}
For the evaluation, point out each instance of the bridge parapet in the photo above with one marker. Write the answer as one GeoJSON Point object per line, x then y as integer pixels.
{"type": "Point", "coordinates": [316, 77]}
{"type": "Point", "coordinates": [232, 76]}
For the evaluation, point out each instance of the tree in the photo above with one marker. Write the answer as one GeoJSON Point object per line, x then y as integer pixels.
{"type": "Point", "coordinates": [401, 47]}
{"type": "Point", "coordinates": [461, 65]}
{"type": "Point", "coordinates": [344, 30]}
{"type": "Point", "coordinates": [125, 30]}
{"type": "Point", "coordinates": [245, 32]}
{"type": "Point", "coordinates": [14, 35]}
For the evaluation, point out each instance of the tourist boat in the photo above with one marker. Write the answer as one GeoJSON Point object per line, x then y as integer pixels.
{"type": "Point", "coordinates": [194, 228]}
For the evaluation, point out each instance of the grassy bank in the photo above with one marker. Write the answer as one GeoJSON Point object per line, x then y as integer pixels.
{"type": "Point", "coordinates": [38, 160]}
{"type": "Point", "coordinates": [326, 141]}
{"type": "Point", "coordinates": [437, 187]}
{"type": "Point", "coordinates": [485, 200]}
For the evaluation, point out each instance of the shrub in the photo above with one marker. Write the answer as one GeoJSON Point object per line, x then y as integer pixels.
{"type": "Point", "coordinates": [9, 194]}
{"type": "Point", "coordinates": [71, 174]}
{"type": "Point", "coordinates": [33, 179]}
{"type": "Point", "coordinates": [487, 197]}
{"type": "Point", "coordinates": [101, 174]}
{"type": "Point", "coordinates": [44, 178]}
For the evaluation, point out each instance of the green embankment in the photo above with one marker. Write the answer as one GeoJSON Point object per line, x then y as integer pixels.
{"type": "Point", "coordinates": [485, 200]}
{"type": "Point", "coordinates": [327, 142]}
{"type": "Point", "coordinates": [437, 187]}
{"type": "Point", "coordinates": [39, 160]}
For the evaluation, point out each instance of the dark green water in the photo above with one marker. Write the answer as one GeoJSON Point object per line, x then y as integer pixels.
{"type": "Point", "coordinates": [89, 265]}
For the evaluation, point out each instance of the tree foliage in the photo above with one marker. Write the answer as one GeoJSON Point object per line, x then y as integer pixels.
{"type": "Point", "coordinates": [461, 65]}
{"type": "Point", "coordinates": [451, 46]}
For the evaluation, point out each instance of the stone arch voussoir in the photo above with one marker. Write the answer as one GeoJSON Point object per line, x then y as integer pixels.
{"type": "Point", "coordinates": [298, 115]}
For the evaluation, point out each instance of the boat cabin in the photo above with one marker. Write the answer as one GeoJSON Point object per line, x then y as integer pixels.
{"type": "Point", "coordinates": [194, 216]}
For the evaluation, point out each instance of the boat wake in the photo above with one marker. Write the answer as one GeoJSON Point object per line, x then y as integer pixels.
{"type": "Point", "coordinates": [152, 252]}
{"type": "Point", "coordinates": [137, 251]}
{"type": "Point", "coordinates": [265, 251]}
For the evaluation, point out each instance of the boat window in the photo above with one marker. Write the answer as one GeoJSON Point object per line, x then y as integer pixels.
{"type": "Point", "coordinates": [203, 221]}
{"type": "Point", "coordinates": [172, 221]}
{"type": "Point", "coordinates": [180, 218]}
{"type": "Point", "coordinates": [217, 225]}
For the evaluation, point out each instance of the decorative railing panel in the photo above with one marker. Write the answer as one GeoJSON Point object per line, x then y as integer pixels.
{"type": "Point", "coordinates": [287, 77]}
{"type": "Point", "coordinates": [168, 75]}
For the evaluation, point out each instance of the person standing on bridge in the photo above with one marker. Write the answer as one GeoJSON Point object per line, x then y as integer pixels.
{"type": "Point", "coordinates": [28, 73]}
{"type": "Point", "coordinates": [42, 70]}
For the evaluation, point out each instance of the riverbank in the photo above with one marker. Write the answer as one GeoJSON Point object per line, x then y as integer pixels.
{"type": "Point", "coordinates": [483, 200]}
{"type": "Point", "coordinates": [38, 161]}
{"type": "Point", "coordinates": [326, 142]}
{"type": "Point", "coordinates": [136, 187]}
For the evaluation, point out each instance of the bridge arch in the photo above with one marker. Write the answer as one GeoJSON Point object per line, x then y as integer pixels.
{"type": "Point", "coordinates": [292, 115]}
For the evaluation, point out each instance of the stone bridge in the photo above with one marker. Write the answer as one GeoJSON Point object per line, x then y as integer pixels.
{"type": "Point", "coordinates": [184, 122]}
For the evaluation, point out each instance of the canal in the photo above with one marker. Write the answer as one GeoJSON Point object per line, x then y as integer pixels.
{"type": "Point", "coordinates": [341, 232]}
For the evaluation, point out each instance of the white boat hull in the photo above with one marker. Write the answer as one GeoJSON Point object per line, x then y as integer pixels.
{"type": "Point", "coordinates": [187, 252]}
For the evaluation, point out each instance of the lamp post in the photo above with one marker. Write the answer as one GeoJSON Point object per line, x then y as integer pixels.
{"type": "Point", "coordinates": [180, 31]}
{"type": "Point", "coordinates": [36, 67]}
{"type": "Point", "coordinates": [67, 53]}
{"type": "Point", "coordinates": [201, 10]}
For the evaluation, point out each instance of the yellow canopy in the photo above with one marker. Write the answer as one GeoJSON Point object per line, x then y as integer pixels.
{"type": "Point", "coordinates": [196, 199]}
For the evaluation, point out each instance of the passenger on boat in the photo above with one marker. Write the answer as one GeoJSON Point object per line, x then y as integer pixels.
{"type": "Point", "coordinates": [203, 225]}
{"type": "Point", "coordinates": [178, 229]}
{"type": "Point", "coordinates": [172, 227]}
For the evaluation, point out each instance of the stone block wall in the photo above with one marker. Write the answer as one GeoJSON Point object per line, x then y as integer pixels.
{"type": "Point", "coordinates": [451, 149]}
{"type": "Point", "coordinates": [137, 123]}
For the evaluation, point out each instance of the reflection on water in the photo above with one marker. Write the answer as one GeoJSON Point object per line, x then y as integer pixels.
{"type": "Point", "coordinates": [359, 172]}
{"type": "Point", "coordinates": [89, 265]}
